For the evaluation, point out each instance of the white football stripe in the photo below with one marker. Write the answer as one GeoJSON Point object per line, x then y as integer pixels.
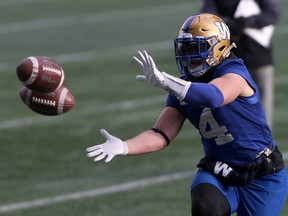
{"type": "Point", "coordinates": [27, 97]}
{"type": "Point", "coordinates": [62, 79]}
{"type": "Point", "coordinates": [62, 97]}
{"type": "Point", "coordinates": [35, 71]}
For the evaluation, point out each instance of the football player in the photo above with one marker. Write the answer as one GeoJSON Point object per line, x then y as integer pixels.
{"type": "Point", "coordinates": [243, 170]}
{"type": "Point", "coordinates": [252, 24]}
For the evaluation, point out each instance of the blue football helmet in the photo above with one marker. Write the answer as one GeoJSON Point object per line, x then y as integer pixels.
{"type": "Point", "coordinates": [203, 42]}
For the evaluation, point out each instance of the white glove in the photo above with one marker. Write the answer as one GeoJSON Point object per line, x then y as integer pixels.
{"type": "Point", "coordinates": [163, 80]}
{"type": "Point", "coordinates": [112, 147]}
{"type": "Point", "coordinates": [151, 73]}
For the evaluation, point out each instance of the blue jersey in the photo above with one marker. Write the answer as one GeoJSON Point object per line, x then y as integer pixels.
{"type": "Point", "coordinates": [236, 132]}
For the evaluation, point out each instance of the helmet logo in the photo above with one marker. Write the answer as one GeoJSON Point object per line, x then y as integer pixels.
{"type": "Point", "coordinates": [187, 35]}
{"type": "Point", "coordinates": [224, 30]}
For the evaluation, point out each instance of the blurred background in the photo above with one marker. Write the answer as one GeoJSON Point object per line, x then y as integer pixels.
{"type": "Point", "coordinates": [43, 166]}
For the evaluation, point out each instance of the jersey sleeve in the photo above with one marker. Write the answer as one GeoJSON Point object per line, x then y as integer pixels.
{"type": "Point", "coordinates": [237, 67]}
{"type": "Point", "coordinates": [172, 101]}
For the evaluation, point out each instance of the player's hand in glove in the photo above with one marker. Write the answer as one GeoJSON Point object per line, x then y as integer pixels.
{"type": "Point", "coordinates": [163, 80]}
{"type": "Point", "coordinates": [151, 73]}
{"type": "Point", "coordinates": [112, 147]}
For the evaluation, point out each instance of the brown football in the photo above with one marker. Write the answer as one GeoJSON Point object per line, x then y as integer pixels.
{"type": "Point", "coordinates": [40, 73]}
{"type": "Point", "coordinates": [51, 104]}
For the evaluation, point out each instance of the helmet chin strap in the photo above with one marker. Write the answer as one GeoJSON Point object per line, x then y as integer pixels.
{"type": "Point", "coordinates": [226, 53]}
{"type": "Point", "coordinates": [200, 72]}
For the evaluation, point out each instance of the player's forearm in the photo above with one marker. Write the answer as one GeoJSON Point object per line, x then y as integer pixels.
{"type": "Point", "coordinates": [145, 142]}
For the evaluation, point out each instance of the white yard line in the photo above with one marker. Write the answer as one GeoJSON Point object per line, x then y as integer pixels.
{"type": "Point", "coordinates": [113, 52]}
{"type": "Point", "coordinates": [97, 192]}
{"type": "Point", "coordinates": [22, 2]}
{"type": "Point", "coordinates": [101, 191]}
{"type": "Point", "coordinates": [123, 105]}
{"type": "Point", "coordinates": [100, 54]}
{"type": "Point", "coordinates": [106, 16]}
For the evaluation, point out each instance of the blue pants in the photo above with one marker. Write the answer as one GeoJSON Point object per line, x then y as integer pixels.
{"type": "Point", "coordinates": [263, 197]}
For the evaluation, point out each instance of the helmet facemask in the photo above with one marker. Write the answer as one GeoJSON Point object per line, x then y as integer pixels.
{"type": "Point", "coordinates": [194, 56]}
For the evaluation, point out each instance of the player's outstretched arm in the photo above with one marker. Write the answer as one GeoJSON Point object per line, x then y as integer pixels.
{"type": "Point", "coordinates": [218, 92]}
{"type": "Point", "coordinates": [145, 142]}
{"type": "Point", "coordinates": [156, 78]}
{"type": "Point", "coordinates": [167, 126]}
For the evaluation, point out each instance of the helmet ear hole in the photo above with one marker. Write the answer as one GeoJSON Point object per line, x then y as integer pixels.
{"type": "Point", "coordinates": [221, 48]}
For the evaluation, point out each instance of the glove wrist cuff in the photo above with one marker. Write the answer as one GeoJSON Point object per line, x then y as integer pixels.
{"type": "Point", "coordinates": [176, 86]}
{"type": "Point", "coordinates": [125, 148]}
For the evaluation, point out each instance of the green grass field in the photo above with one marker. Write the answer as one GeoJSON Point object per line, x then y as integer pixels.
{"type": "Point", "coordinates": [43, 166]}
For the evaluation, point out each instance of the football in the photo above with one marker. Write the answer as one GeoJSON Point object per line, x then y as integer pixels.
{"type": "Point", "coordinates": [50, 104]}
{"type": "Point", "coordinates": [40, 73]}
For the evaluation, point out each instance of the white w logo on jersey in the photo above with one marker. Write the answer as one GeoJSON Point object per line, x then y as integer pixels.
{"type": "Point", "coordinates": [224, 30]}
{"type": "Point", "coordinates": [220, 166]}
